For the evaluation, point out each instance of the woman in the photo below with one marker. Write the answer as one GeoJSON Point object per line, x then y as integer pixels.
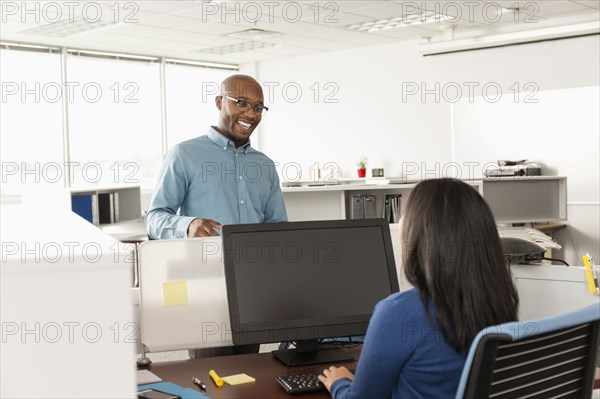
{"type": "Point", "coordinates": [417, 340]}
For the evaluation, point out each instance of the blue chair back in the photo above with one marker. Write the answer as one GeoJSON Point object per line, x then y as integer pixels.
{"type": "Point", "coordinates": [541, 358]}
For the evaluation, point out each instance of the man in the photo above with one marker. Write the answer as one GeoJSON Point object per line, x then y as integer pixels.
{"type": "Point", "coordinates": [218, 179]}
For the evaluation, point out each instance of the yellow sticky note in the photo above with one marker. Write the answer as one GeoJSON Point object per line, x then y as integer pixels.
{"type": "Point", "coordinates": [175, 293]}
{"type": "Point", "coordinates": [238, 379]}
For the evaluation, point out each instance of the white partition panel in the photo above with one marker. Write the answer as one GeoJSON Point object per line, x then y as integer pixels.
{"type": "Point", "coordinates": [66, 309]}
{"type": "Point", "coordinates": [183, 297]}
{"type": "Point", "coordinates": [546, 290]}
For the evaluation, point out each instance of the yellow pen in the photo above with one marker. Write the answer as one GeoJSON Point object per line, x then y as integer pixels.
{"type": "Point", "coordinates": [589, 275]}
{"type": "Point", "coordinates": [218, 381]}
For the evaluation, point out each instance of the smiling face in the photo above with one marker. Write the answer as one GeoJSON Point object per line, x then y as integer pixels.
{"type": "Point", "coordinates": [235, 124]}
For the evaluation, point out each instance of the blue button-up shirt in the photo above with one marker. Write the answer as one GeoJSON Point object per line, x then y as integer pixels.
{"type": "Point", "coordinates": [207, 177]}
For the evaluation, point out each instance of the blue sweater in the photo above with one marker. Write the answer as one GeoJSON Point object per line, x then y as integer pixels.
{"type": "Point", "coordinates": [404, 355]}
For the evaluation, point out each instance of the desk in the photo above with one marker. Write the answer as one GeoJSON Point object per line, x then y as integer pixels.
{"type": "Point", "coordinates": [262, 366]}
{"type": "Point", "coordinates": [131, 231]}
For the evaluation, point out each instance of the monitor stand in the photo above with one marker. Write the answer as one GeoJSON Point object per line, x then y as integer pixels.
{"type": "Point", "coordinates": [311, 352]}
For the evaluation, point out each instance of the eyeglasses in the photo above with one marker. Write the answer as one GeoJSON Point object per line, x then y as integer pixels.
{"type": "Point", "coordinates": [244, 105]}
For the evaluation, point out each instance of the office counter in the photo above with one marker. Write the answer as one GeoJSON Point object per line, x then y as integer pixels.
{"type": "Point", "coordinates": [262, 366]}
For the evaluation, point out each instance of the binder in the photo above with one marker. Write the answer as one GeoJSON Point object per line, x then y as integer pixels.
{"type": "Point", "coordinates": [370, 206]}
{"type": "Point", "coordinates": [363, 206]}
{"type": "Point", "coordinates": [392, 210]}
{"type": "Point", "coordinates": [85, 205]}
{"type": "Point", "coordinates": [106, 208]}
{"type": "Point", "coordinates": [357, 206]}
{"type": "Point", "coordinates": [116, 207]}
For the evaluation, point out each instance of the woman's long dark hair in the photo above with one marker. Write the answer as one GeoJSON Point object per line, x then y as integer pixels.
{"type": "Point", "coordinates": [452, 255]}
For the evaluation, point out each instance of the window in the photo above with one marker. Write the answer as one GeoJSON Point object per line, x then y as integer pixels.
{"type": "Point", "coordinates": [31, 144]}
{"type": "Point", "coordinates": [190, 96]}
{"type": "Point", "coordinates": [113, 131]}
{"type": "Point", "coordinates": [114, 121]}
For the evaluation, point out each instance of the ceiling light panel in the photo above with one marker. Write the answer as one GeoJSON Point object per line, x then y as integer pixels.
{"type": "Point", "coordinates": [399, 22]}
{"type": "Point", "coordinates": [237, 48]}
{"type": "Point", "coordinates": [68, 27]}
{"type": "Point", "coordinates": [254, 34]}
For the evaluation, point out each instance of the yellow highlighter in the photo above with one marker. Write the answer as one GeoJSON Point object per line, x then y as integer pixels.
{"type": "Point", "coordinates": [218, 381]}
{"type": "Point", "coordinates": [589, 276]}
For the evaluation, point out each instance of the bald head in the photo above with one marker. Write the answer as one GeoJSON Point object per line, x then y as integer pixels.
{"type": "Point", "coordinates": [242, 86]}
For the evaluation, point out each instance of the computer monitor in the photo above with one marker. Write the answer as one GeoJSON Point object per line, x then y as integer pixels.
{"type": "Point", "coordinates": [305, 281]}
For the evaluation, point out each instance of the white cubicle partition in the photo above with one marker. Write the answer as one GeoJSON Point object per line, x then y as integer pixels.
{"type": "Point", "coordinates": [203, 320]}
{"type": "Point", "coordinates": [183, 297]}
{"type": "Point", "coordinates": [546, 290]}
{"type": "Point", "coordinates": [66, 310]}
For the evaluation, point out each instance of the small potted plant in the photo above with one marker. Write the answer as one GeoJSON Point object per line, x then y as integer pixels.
{"type": "Point", "coordinates": [362, 167]}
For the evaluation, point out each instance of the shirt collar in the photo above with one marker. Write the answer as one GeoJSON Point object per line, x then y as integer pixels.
{"type": "Point", "coordinates": [223, 142]}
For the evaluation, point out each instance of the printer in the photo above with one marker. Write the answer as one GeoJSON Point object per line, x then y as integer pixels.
{"type": "Point", "coordinates": [514, 168]}
{"type": "Point", "coordinates": [524, 244]}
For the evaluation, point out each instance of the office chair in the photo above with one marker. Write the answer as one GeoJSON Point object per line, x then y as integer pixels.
{"type": "Point", "coordinates": [540, 358]}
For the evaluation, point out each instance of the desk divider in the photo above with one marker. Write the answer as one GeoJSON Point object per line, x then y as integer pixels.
{"type": "Point", "coordinates": [183, 298]}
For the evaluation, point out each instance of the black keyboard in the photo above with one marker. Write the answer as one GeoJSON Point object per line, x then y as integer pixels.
{"type": "Point", "coordinates": [300, 383]}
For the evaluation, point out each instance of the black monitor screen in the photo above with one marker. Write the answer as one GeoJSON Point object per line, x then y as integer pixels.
{"type": "Point", "coordinates": [306, 280]}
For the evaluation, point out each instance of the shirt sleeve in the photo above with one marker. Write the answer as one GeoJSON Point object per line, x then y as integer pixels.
{"type": "Point", "coordinates": [382, 358]}
{"type": "Point", "coordinates": [275, 211]}
{"type": "Point", "coordinates": [162, 220]}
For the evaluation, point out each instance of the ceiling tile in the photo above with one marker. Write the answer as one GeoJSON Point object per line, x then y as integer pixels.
{"type": "Point", "coordinates": [137, 29]}
{"type": "Point", "coordinates": [589, 3]}
{"type": "Point", "coordinates": [168, 7]}
{"type": "Point", "coordinates": [110, 38]}
{"type": "Point", "coordinates": [181, 28]}
{"type": "Point", "coordinates": [289, 51]}
{"type": "Point", "coordinates": [220, 40]}
{"type": "Point", "coordinates": [171, 21]}
{"type": "Point", "coordinates": [318, 31]}
{"type": "Point", "coordinates": [408, 32]}
{"type": "Point", "coordinates": [136, 15]}
{"type": "Point", "coordinates": [352, 6]}
{"type": "Point", "coordinates": [310, 42]}
{"type": "Point", "coordinates": [184, 36]}
{"type": "Point", "coordinates": [170, 44]}
{"type": "Point", "coordinates": [344, 35]}
{"type": "Point", "coordinates": [14, 26]}
{"type": "Point", "coordinates": [376, 13]}
{"type": "Point", "coordinates": [560, 8]}
{"type": "Point", "coordinates": [102, 46]}
{"type": "Point", "coordinates": [213, 28]}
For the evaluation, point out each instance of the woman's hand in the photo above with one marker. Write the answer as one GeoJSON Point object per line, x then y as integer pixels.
{"type": "Point", "coordinates": [333, 374]}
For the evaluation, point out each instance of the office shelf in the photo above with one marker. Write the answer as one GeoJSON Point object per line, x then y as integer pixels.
{"type": "Point", "coordinates": [513, 200]}
{"type": "Point", "coordinates": [107, 206]}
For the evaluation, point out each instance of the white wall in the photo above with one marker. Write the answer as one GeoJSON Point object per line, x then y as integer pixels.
{"type": "Point", "coordinates": [372, 118]}
{"type": "Point", "coordinates": [369, 118]}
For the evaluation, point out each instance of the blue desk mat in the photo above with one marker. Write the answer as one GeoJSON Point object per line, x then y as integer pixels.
{"type": "Point", "coordinates": [174, 389]}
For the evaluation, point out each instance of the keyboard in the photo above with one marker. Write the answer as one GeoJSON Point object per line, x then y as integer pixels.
{"type": "Point", "coordinates": [300, 383]}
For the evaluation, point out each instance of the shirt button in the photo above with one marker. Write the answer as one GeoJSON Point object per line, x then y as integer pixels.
{"type": "Point", "coordinates": [242, 202]}
{"type": "Point", "coordinates": [225, 147]}
{"type": "Point", "coordinates": [240, 177]}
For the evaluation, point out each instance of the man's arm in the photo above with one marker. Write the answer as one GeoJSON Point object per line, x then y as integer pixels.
{"type": "Point", "coordinates": [162, 221]}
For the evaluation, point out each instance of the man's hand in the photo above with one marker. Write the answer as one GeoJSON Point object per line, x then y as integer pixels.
{"type": "Point", "coordinates": [333, 374]}
{"type": "Point", "coordinates": [203, 228]}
